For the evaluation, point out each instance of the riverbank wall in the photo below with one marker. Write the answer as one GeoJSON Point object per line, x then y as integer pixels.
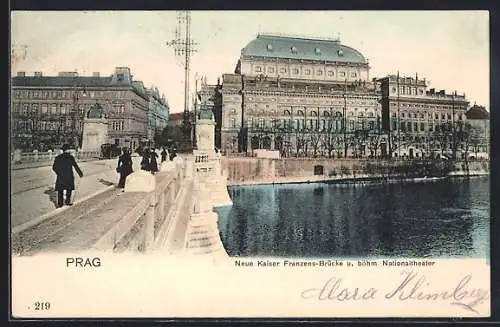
{"type": "Point", "coordinates": [244, 170]}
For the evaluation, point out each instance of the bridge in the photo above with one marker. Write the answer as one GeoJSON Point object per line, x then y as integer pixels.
{"type": "Point", "coordinates": [169, 212]}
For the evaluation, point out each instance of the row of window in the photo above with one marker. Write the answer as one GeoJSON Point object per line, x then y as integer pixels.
{"type": "Point", "coordinates": [294, 49]}
{"type": "Point", "coordinates": [394, 104]}
{"type": "Point", "coordinates": [44, 108]}
{"type": "Point", "coordinates": [311, 124]}
{"type": "Point", "coordinates": [40, 126]}
{"type": "Point", "coordinates": [117, 125]}
{"type": "Point", "coordinates": [296, 71]}
{"type": "Point", "coordinates": [430, 116]}
{"type": "Point", "coordinates": [408, 90]}
{"type": "Point", "coordinates": [415, 127]}
{"type": "Point", "coordinates": [56, 108]}
{"type": "Point", "coordinates": [65, 94]}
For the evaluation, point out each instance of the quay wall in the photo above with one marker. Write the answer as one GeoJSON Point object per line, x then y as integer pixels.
{"type": "Point", "coordinates": [244, 169]}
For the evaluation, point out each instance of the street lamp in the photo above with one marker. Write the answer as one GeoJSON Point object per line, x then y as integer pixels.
{"type": "Point", "coordinates": [77, 117]}
{"type": "Point", "coordinates": [345, 119]}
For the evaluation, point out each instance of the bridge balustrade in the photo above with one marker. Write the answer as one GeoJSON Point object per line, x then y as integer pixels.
{"type": "Point", "coordinates": [140, 227]}
{"type": "Point", "coordinates": [28, 157]}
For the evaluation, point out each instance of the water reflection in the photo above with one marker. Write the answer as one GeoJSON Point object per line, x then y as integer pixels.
{"type": "Point", "coordinates": [441, 219]}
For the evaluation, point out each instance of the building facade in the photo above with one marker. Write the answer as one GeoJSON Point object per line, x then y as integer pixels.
{"type": "Point", "coordinates": [315, 97]}
{"type": "Point", "coordinates": [301, 96]}
{"type": "Point", "coordinates": [479, 118]}
{"type": "Point", "coordinates": [49, 110]}
{"type": "Point", "coordinates": [158, 114]}
{"type": "Point", "coordinates": [420, 122]}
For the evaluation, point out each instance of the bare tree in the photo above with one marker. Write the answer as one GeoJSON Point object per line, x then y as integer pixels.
{"type": "Point", "coordinates": [374, 143]}
{"type": "Point", "coordinates": [301, 140]}
{"type": "Point", "coordinates": [315, 137]}
{"type": "Point", "coordinates": [443, 136]}
{"type": "Point", "coordinates": [329, 138]}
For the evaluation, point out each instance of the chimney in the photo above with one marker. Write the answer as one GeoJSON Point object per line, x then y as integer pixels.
{"type": "Point", "coordinates": [38, 74]}
{"type": "Point", "coordinates": [432, 91]}
{"type": "Point", "coordinates": [21, 74]}
{"type": "Point", "coordinates": [95, 74]}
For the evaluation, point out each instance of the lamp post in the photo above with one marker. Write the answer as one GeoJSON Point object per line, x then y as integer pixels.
{"type": "Point", "coordinates": [77, 117]}
{"type": "Point", "coordinates": [397, 120]}
{"type": "Point", "coordinates": [345, 119]}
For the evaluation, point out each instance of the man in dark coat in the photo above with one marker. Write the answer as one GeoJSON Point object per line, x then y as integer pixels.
{"type": "Point", "coordinates": [124, 167]}
{"type": "Point", "coordinates": [63, 167]}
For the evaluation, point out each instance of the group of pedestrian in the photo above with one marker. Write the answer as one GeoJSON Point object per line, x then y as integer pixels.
{"type": "Point", "coordinates": [65, 162]}
{"type": "Point", "coordinates": [149, 162]}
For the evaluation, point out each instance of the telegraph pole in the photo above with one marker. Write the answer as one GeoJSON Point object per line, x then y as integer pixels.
{"type": "Point", "coordinates": [183, 47]}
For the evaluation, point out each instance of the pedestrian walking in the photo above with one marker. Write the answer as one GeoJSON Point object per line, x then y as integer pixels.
{"type": "Point", "coordinates": [164, 155]}
{"type": "Point", "coordinates": [124, 167]}
{"type": "Point", "coordinates": [153, 163]}
{"type": "Point", "coordinates": [173, 153]}
{"type": "Point", "coordinates": [63, 167]}
{"type": "Point", "coordinates": [145, 160]}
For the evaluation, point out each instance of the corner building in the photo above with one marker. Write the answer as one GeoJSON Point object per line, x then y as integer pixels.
{"type": "Point", "coordinates": [301, 96]}
{"type": "Point", "coordinates": [47, 111]}
{"type": "Point", "coordinates": [413, 116]}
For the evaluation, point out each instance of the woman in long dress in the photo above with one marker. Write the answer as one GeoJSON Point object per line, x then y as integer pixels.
{"type": "Point", "coordinates": [145, 165]}
{"type": "Point", "coordinates": [153, 163]}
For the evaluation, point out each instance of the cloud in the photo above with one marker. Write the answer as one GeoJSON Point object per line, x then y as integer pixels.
{"type": "Point", "coordinates": [450, 48]}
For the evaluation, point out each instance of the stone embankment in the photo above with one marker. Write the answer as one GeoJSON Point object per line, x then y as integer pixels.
{"type": "Point", "coordinates": [245, 171]}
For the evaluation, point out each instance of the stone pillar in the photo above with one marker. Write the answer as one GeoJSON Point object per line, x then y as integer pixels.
{"type": "Point", "coordinates": [17, 156]}
{"type": "Point", "coordinates": [35, 155]}
{"type": "Point", "coordinates": [149, 224]}
{"type": "Point", "coordinates": [161, 203]}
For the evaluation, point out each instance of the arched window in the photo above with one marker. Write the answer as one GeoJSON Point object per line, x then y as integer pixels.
{"type": "Point", "coordinates": [287, 113]}
{"type": "Point", "coordinates": [338, 114]}
{"type": "Point", "coordinates": [314, 114]}
{"type": "Point", "coordinates": [300, 113]}
{"type": "Point", "coordinates": [326, 114]}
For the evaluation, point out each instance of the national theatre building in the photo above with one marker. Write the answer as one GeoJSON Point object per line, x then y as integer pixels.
{"type": "Point", "coordinates": [315, 97]}
{"type": "Point", "coordinates": [296, 95]}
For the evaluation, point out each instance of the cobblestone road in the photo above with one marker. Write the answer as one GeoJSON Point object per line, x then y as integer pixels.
{"type": "Point", "coordinates": [32, 189]}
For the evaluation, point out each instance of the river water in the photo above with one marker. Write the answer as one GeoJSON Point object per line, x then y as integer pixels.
{"type": "Point", "coordinates": [441, 219]}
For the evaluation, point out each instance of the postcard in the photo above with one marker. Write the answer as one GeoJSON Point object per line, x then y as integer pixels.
{"type": "Point", "coordinates": [245, 164]}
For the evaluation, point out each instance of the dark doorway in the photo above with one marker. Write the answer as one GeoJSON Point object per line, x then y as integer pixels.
{"type": "Point", "coordinates": [318, 170]}
{"type": "Point", "coordinates": [255, 142]}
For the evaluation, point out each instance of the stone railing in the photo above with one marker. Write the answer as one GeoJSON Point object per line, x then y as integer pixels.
{"type": "Point", "coordinates": [154, 198]}
{"type": "Point", "coordinates": [18, 157]}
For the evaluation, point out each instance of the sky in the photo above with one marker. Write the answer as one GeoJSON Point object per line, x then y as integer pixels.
{"type": "Point", "coordinates": [449, 48]}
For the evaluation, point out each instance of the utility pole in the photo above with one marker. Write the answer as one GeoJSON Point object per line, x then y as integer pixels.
{"type": "Point", "coordinates": [183, 47]}
{"type": "Point", "coordinates": [195, 108]}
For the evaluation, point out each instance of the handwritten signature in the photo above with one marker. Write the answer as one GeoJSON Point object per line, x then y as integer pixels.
{"type": "Point", "coordinates": [412, 287]}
